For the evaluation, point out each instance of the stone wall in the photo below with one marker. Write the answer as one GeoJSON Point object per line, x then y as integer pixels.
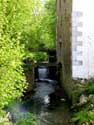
{"type": "Point", "coordinates": [64, 35]}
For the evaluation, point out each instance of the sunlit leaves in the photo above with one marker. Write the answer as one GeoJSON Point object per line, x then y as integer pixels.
{"type": "Point", "coordinates": [42, 29]}
{"type": "Point", "coordinates": [12, 79]}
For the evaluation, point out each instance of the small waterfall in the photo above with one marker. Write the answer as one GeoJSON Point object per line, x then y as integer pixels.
{"type": "Point", "coordinates": [42, 72]}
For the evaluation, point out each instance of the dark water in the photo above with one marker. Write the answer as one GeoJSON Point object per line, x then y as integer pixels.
{"type": "Point", "coordinates": [55, 113]}
{"type": "Point", "coordinates": [49, 110]}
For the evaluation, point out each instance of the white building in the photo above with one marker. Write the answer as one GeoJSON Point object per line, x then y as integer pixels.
{"type": "Point", "coordinates": [83, 39]}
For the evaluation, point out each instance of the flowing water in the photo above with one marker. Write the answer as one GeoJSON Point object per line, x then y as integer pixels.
{"type": "Point", "coordinates": [50, 110]}
{"type": "Point", "coordinates": [49, 113]}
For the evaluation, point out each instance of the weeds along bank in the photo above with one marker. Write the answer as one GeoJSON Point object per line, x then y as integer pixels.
{"type": "Point", "coordinates": [83, 102]}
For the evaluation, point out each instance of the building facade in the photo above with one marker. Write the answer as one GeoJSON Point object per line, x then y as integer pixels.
{"type": "Point", "coordinates": [83, 39]}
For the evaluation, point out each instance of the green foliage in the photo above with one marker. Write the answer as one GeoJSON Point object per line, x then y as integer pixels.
{"type": "Point", "coordinates": [90, 87]}
{"type": "Point", "coordinates": [36, 56]}
{"type": "Point", "coordinates": [12, 80]}
{"type": "Point", "coordinates": [19, 116]}
{"type": "Point", "coordinates": [40, 56]}
{"type": "Point", "coordinates": [40, 32]}
{"type": "Point", "coordinates": [84, 116]}
{"type": "Point", "coordinates": [81, 116]}
{"type": "Point", "coordinates": [49, 23]}
{"type": "Point", "coordinates": [25, 119]}
{"type": "Point", "coordinates": [42, 29]}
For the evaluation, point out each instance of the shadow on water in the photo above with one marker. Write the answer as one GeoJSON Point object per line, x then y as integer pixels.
{"type": "Point", "coordinates": [48, 102]}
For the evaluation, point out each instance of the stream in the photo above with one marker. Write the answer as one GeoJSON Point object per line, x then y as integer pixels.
{"type": "Point", "coordinates": [50, 108]}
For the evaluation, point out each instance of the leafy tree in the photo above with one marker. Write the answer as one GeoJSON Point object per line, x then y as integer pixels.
{"type": "Point", "coordinates": [13, 19]}
{"type": "Point", "coordinates": [49, 24]}
{"type": "Point", "coordinates": [42, 30]}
